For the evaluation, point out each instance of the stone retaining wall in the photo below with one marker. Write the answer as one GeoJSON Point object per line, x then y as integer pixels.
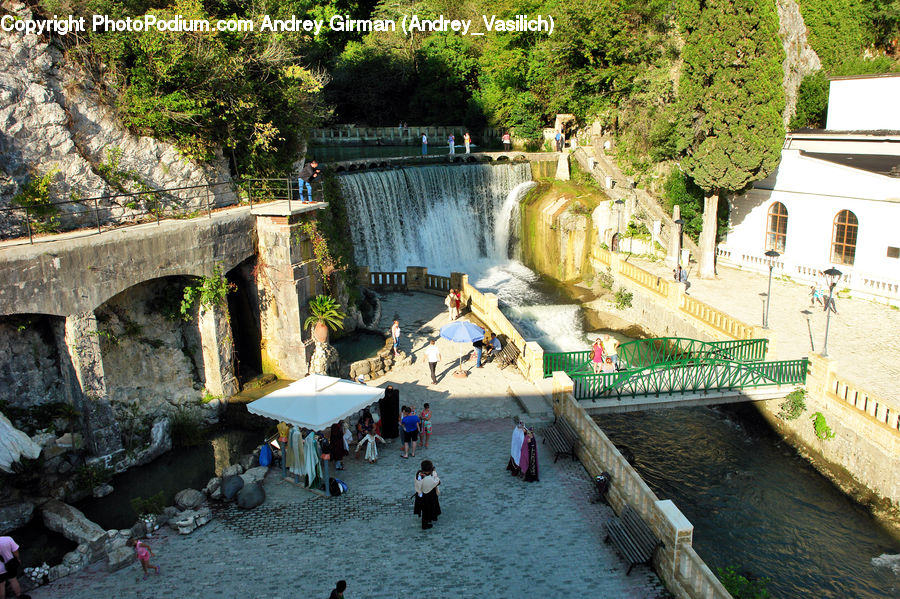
{"type": "Point", "coordinates": [383, 362]}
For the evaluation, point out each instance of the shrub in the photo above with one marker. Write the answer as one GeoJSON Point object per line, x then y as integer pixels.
{"type": "Point", "coordinates": [623, 299]}
{"type": "Point", "coordinates": [823, 431]}
{"type": "Point", "coordinates": [154, 504]}
{"type": "Point", "coordinates": [742, 587]}
{"type": "Point", "coordinates": [794, 404]}
{"type": "Point", "coordinates": [187, 428]}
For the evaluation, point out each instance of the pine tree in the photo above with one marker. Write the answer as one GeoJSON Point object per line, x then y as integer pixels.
{"type": "Point", "coordinates": [731, 98]}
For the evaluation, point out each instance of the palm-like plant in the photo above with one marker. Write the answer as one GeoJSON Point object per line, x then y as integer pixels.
{"type": "Point", "coordinates": [325, 309]}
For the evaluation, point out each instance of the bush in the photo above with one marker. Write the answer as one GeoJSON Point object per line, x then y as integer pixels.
{"type": "Point", "coordinates": [823, 431]}
{"type": "Point", "coordinates": [812, 102]}
{"type": "Point", "coordinates": [742, 587]}
{"type": "Point", "coordinates": [623, 299]}
{"type": "Point", "coordinates": [794, 404]}
{"type": "Point", "coordinates": [154, 504]}
{"type": "Point", "coordinates": [187, 428]}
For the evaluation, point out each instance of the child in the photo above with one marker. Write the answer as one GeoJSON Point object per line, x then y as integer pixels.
{"type": "Point", "coordinates": [143, 553]}
{"type": "Point", "coordinates": [371, 448]}
{"type": "Point", "coordinates": [426, 424]}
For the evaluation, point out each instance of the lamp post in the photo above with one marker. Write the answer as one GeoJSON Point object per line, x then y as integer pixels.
{"type": "Point", "coordinates": [772, 255]}
{"type": "Point", "coordinates": [619, 206]}
{"type": "Point", "coordinates": [680, 224]}
{"type": "Point", "coordinates": [832, 276]}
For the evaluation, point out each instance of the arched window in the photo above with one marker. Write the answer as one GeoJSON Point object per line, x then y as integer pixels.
{"type": "Point", "coordinates": [776, 231]}
{"type": "Point", "coordinates": [843, 238]}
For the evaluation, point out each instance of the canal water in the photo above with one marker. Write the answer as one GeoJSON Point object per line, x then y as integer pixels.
{"type": "Point", "coordinates": [754, 503]}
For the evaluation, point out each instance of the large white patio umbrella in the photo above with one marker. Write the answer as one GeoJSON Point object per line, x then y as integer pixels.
{"type": "Point", "coordinates": [316, 402]}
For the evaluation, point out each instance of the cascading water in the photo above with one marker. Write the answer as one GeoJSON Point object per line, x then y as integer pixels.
{"type": "Point", "coordinates": [457, 218]}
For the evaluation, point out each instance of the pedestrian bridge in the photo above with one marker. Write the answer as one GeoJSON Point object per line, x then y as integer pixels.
{"type": "Point", "coordinates": [459, 158]}
{"type": "Point", "coordinates": [673, 371]}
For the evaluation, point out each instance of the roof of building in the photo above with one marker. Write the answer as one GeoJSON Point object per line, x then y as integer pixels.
{"type": "Point", "coordinates": [872, 76]}
{"type": "Point", "coordinates": [834, 132]}
{"type": "Point", "coordinates": [874, 163]}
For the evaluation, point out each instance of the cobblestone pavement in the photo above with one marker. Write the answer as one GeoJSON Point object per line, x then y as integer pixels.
{"type": "Point", "coordinates": [497, 537]}
{"type": "Point", "coordinates": [862, 336]}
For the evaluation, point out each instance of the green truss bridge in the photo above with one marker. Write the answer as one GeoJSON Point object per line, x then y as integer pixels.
{"type": "Point", "coordinates": [674, 371]}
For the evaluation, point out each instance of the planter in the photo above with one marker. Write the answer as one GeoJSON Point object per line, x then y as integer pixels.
{"type": "Point", "coordinates": [320, 332]}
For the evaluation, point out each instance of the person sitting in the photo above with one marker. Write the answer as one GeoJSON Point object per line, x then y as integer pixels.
{"type": "Point", "coordinates": [492, 347]}
{"type": "Point", "coordinates": [608, 366]}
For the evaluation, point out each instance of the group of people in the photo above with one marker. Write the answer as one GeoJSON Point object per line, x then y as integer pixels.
{"type": "Point", "coordinates": [818, 295]}
{"type": "Point", "coordinates": [605, 354]}
{"type": "Point", "coordinates": [453, 301]}
{"type": "Point", "coordinates": [523, 460]}
{"type": "Point", "coordinates": [486, 348]}
{"type": "Point", "coordinates": [414, 426]}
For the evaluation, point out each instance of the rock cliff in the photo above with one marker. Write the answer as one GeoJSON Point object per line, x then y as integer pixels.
{"type": "Point", "coordinates": [800, 59]}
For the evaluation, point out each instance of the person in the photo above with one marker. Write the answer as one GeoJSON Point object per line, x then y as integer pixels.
{"type": "Point", "coordinates": [452, 141]}
{"type": "Point", "coordinates": [452, 303]}
{"type": "Point", "coordinates": [816, 295]}
{"type": "Point", "coordinates": [307, 175]}
{"type": "Point", "coordinates": [467, 140]}
{"type": "Point", "coordinates": [829, 303]}
{"type": "Point", "coordinates": [507, 141]}
{"type": "Point", "coordinates": [515, 450]}
{"type": "Point", "coordinates": [608, 366]}
{"type": "Point", "coordinates": [528, 460]}
{"type": "Point", "coordinates": [426, 487]}
{"type": "Point", "coordinates": [457, 293]}
{"type": "Point", "coordinates": [395, 335]}
{"type": "Point", "coordinates": [371, 446]}
{"type": "Point", "coordinates": [558, 138]}
{"type": "Point", "coordinates": [336, 437]}
{"type": "Point", "coordinates": [143, 553]}
{"type": "Point", "coordinates": [597, 355]}
{"type": "Point", "coordinates": [425, 417]}
{"type": "Point", "coordinates": [410, 424]}
{"type": "Point", "coordinates": [283, 431]}
{"type": "Point", "coordinates": [338, 591]}
{"type": "Point", "coordinates": [424, 145]}
{"type": "Point", "coordinates": [433, 355]}
{"type": "Point", "coordinates": [496, 346]}
{"type": "Point", "coordinates": [479, 347]}
{"type": "Point", "coordinates": [611, 349]}
{"type": "Point", "coordinates": [681, 276]}
{"type": "Point", "coordinates": [10, 563]}
{"type": "Point", "coordinates": [365, 425]}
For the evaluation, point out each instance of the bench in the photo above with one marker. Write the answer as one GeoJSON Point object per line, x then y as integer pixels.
{"type": "Point", "coordinates": [508, 355]}
{"type": "Point", "coordinates": [561, 437]}
{"type": "Point", "coordinates": [632, 537]}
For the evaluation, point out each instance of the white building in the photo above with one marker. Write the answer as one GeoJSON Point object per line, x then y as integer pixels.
{"type": "Point", "coordinates": [834, 200]}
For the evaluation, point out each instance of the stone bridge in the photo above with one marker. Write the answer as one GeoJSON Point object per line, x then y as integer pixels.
{"type": "Point", "coordinates": [461, 158]}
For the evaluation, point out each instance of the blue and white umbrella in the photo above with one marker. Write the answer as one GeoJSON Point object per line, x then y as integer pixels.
{"type": "Point", "coordinates": [462, 331]}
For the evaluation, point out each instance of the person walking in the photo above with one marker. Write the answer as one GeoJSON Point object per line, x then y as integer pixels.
{"type": "Point", "coordinates": [410, 424]}
{"type": "Point", "coordinates": [338, 591]}
{"type": "Point", "coordinates": [467, 140]}
{"type": "Point", "coordinates": [426, 489]}
{"type": "Point", "coordinates": [143, 553]}
{"type": "Point", "coordinates": [515, 450]}
{"type": "Point", "coordinates": [433, 355]}
{"type": "Point", "coordinates": [452, 141]}
{"type": "Point", "coordinates": [395, 336]}
{"type": "Point", "coordinates": [424, 145]}
{"type": "Point", "coordinates": [10, 563]}
{"type": "Point", "coordinates": [611, 348]}
{"type": "Point", "coordinates": [558, 138]}
{"type": "Point", "coordinates": [507, 141]}
{"type": "Point", "coordinates": [307, 175]}
{"type": "Point", "coordinates": [528, 461]}
{"type": "Point", "coordinates": [452, 303]}
{"type": "Point", "coordinates": [425, 416]}
{"type": "Point", "coordinates": [597, 355]}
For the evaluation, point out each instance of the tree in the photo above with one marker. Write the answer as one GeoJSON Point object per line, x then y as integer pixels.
{"type": "Point", "coordinates": [730, 131]}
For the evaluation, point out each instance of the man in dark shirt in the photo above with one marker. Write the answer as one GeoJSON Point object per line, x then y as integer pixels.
{"type": "Point", "coordinates": [308, 174]}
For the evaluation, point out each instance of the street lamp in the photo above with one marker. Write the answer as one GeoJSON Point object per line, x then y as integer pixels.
{"type": "Point", "coordinates": [680, 224]}
{"type": "Point", "coordinates": [619, 206]}
{"type": "Point", "coordinates": [772, 255]}
{"type": "Point", "coordinates": [832, 276]}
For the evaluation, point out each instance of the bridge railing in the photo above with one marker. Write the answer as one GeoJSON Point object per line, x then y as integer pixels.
{"type": "Point", "coordinates": [565, 361]}
{"type": "Point", "coordinates": [114, 211]}
{"type": "Point", "coordinates": [290, 189]}
{"type": "Point", "coordinates": [703, 374]}
{"type": "Point", "coordinates": [661, 350]}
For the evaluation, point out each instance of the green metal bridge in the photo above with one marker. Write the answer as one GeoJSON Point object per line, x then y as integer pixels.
{"type": "Point", "coordinates": [685, 368]}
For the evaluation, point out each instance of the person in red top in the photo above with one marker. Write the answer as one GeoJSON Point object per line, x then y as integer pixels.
{"type": "Point", "coordinates": [143, 553]}
{"type": "Point", "coordinates": [597, 355]}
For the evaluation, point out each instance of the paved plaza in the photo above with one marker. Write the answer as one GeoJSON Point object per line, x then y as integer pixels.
{"type": "Point", "coordinates": [862, 336]}
{"type": "Point", "coordinates": [498, 536]}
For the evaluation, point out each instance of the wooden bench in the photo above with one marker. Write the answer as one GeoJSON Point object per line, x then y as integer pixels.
{"type": "Point", "coordinates": [508, 355]}
{"type": "Point", "coordinates": [561, 437]}
{"type": "Point", "coordinates": [632, 537]}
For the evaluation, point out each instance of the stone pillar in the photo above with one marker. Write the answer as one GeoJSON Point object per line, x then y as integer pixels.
{"type": "Point", "coordinates": [562, 386]}
{"type": "Point", "coordinates": [362, 276]}
{"type": "Point", "coordinates": [217, 346]}
{"type": "Point", "coordinates": [82, 344]}
{"type": "Point", "coordinates": [491, 310]}
{"type": "Point", "coordinates": [674, 253]}
{"type": "Point", "coordinates": [285, 283]}
{"type": "Point", "coordinates": [534, 360]}
{"type": "Point", "coordinates": [415, 278]}
{"type": "Point", "coordinates": [562, 167]}
{"type": "Point", "coordinates": [675, 531]}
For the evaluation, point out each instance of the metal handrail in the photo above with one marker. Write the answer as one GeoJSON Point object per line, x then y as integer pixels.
{"type": "Point", "coordinates": [703, 374]}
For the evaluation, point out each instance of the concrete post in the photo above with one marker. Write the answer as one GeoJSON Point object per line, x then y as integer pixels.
{"type": "Point", "coordinates": [362, 276]}
{"type": "Point", "coordinates": [284, 288]}
{"type": "Point", "coordinates": [562, 386]}
{"type": "Point", "coordinates": [534, 359]}
{"type": "Point", "coordinates": [562, 167]}
{"type": "Point", "coordinates": [674, 251]}
{"type": "Point", "coordinates": [415, 278]}
{"type": "Point", "coordinates": [677, 533]}
{"type": "Point", "coordinates": [491, 309]}
{"type": "Point", "coordinates": [217, 346]}
{"type": "Point", "coordinates": [82, 343]}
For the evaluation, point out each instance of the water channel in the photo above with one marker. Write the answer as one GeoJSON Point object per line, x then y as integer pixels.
{"type": "Point", "coordinates": [755, 504]}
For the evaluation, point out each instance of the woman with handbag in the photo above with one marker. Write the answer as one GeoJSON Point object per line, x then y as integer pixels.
{"type": "Point", "coordinates": [9, 567]}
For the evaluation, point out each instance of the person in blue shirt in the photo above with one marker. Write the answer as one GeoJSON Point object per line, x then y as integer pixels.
{"type": "Point", "coordinates": [410, 423]}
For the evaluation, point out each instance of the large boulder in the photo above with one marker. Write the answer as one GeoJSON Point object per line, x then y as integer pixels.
{"type": "Point", "coordinates": [251, 496]}
{"type": "Point", "coordinates": [232, 470]}
{"type": "Point", "coordinates": [15, 444]}
{"type": "Point", "coordinates": [231, 485]}
{"type": "Point", "coordinates": [118, 558]}
{"type": "Point", "coordinates": [15, 516]}
{"type": "Point", "coordinates": [72, 524]}
{"type": "Point", "coordinates": [254, 475]}
{"type": "Point", "coordinates": [160, 442]}
{"type": "Point", "coordinates": [188, 499]}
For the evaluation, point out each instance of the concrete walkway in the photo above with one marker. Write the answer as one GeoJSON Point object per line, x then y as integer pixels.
{"type": "Point", "coordinates": [497, 537]}
{"type": "Point", "coordinates": [862, 337]}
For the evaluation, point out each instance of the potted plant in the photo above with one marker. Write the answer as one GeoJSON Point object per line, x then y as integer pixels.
{"type": "Point", "coordinates": [325, 313]}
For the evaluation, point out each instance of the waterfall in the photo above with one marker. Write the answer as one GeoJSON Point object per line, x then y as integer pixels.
{"type": "Point", "coordinates": [447, 218]}
{"type": "Point", "coordinates": [508, 218]}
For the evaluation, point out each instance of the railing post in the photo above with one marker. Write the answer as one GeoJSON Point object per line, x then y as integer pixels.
{"type": "Point", "coordinates": [208, 208]}
{"type": "Point", "coordinates": [290, 192]}
{"type": "Point", "coordinates": [97, 215]}
{"type": "Point", "coordinates": [28, 226]}
{"type": "Point", "coordinates": [250, 193]}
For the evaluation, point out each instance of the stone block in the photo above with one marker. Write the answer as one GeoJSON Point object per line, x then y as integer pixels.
{"type": "Point", "coordinates": [57, 572]}
{"type": "Point", "coordinates": [15, 516]}
{"type": "Point", "coordinates": [189, 499]}
{"type": "Point", "coordinates": [254, 475]}
{"type": "Point", "coordinates": [203, 516]}
{"type": "Point", "coordinates": [362, 367]}
{"type": "Point", "coordinates": [247, 461]}
{"type": "Point", "coordinates": [71, 523]}
{"type": "Point", "coordinates": [251, 496]}
{"type": "Point", "coordinates": [186, 523]}
{"type": "Point", "coordinates": [231, 485]}
{"type": "Point", "coordinates": [212, 485]}
{"type": "Point", "coordinates": [138, 530]}
{"type": "Point", "coordinates": [119, 558]}
{"type": "Point", "coordinates": [232, 470]}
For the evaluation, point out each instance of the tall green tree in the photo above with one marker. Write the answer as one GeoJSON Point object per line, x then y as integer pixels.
{"type": "Point", "coordinates": [730, 95]}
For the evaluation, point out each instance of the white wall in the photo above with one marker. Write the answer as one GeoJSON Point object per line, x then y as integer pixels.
{"type": "Point", "coordinates": [864, 104]}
